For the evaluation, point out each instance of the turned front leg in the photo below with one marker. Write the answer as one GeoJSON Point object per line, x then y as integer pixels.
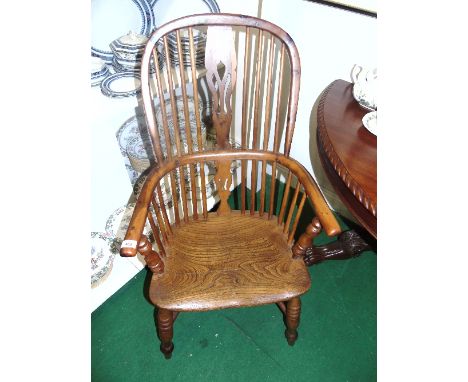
{"type": "Point", "coordinates": [152, 259]}
{"type": "Point", "coordinates": [165, 330]}
{"type": "Point", "coordinates": [305, 240]}
{"type": "Point", "coordinates": [293, 313]}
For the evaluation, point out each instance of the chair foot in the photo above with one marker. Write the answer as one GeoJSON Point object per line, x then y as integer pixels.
{"type": "Point", "coordinates": [293, 312]}
{"type": "Point", "coordinates": [167, 349]}
{"type": "Point", "coordinates": [165, 329]}
{"type": "Point", "coordinates": [291, 336]}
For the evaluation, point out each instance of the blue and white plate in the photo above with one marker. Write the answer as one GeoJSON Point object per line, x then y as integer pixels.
{"type": "Point", "coordinates": [101, 257]}
{"type": "Point", "coordinates": [99, 71]}
{"type": "Point", "coordinates": [122, 65]}
{"type": "Point", "coordinates": [111, 19]}
{"type": "Point", "coordinates": [167, 10]}
{"type": "Point", "coordinates": [370, 122]}
{"type": "Point", "coordinates": [117, 225]}
{"type": "Point", "coordinates": [122, 84]}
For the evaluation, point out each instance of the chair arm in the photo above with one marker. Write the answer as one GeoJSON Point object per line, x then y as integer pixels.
{"type": "Point", "coordinates": [140, 212]}
{"type": "Point", "coordinates": [135, 228]}
{"type": "Point", "coordinates": [324, 214]}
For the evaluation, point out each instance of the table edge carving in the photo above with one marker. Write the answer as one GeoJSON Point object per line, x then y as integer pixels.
{"type": "Point", "coordinates": [336, 162]}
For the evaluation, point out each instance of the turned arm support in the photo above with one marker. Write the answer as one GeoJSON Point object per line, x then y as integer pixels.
{"type": "Point", "coordinates": [305, 240]}
{"type": "Point", "coordinates": [152, 259]}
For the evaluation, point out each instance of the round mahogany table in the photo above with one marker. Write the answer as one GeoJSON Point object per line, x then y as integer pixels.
{"type": "Point", "coordinates": [348, 152]}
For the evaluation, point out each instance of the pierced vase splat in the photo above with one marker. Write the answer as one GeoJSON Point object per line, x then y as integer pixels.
{"type": "Point", "coordinates": [220, 49]}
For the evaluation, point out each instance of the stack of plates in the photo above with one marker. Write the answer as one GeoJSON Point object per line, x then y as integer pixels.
{"type": "Point", "coordinates": [117, 225]}
{"type": "Point", "coordinates": [129, 47]}
{"type": "Point", "coordinates": [128, 51]}
{"type": "Point", "coordinates": [199, 42]}
{"type": "Point", "coordinates": [167, 10]}
{"type": "Point", "coordinates": [101, 258]}
{"type": "Point", "coordinates": [121, 84]}
{"type": "Point", "coordinates": [181, 121]}
{"type": "Point", "coordinates": [137, 154]}
{"type": "Point", "coordinates": [370, 122]}
{"type": "Point", "coordinates": [137, 149]}
{"type": "Point", "coordinates": [99, 70]}
{"type": "Point", "coordinates": [113, 18]}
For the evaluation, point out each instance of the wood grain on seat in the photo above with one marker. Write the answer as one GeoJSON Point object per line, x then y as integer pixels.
{"type": "Point", "coordinates": [228, 261]}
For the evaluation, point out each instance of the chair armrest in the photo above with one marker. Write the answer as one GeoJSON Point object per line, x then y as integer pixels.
{"type": "Point", "coordinates": [137, 222]}
{"type": "Point", "coordinates": [323, 211]}
{"type": "Point", "coordinates": [135, 228]}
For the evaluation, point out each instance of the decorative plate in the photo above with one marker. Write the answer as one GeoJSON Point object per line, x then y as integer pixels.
{"type": "Point", "coordinates": [122, 84]}
{"type": "Point", "coordinates": [117, 224]}
{"type": "Point", "coordinates": [137, 153]}
{"type": "Point", "coordinates": [370, 122]}
{"type": "Point", "coordinates": [96, 80]}
{"type": "Point", "coordinates": [181, 121]}
{"type": "Point", "coordinates": [101, 258]}
{"type": "Point", "coordinates": [99, 70]}
{"type": "Point", "coordinates": [129, 130]}
{"type": "Point", "coordinates": [129, 46]}
{"type": "Point", "coordinates": [167, 10]}
{"type": "Point", "coordinates": [97, 65]}
{"type": "Point", "coordinates": [124, 66]}
{"type": "Point", "coordinates": [113, 18]}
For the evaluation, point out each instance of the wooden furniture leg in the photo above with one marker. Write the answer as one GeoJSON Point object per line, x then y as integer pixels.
{"type": "Point", "coordinates": [165, 329]}
{"type": "Point", "coordinates": [293, 313]}
{"type": "Point", "coordinates": [348, 245]}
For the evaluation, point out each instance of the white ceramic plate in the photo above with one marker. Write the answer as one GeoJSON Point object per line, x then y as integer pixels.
{"type": "Point", "coordinates": [111, 19]}
{"type": "Point", "coordinates": [167, 10]}
{"type": "Point", "coordinates": [117, 224]}
{"type": "Point", "coordinates": [101, 257]}
{"type": "Point", "coordinates": [370, 122]}
{"type": "Point", "coordinates": [122, 84]}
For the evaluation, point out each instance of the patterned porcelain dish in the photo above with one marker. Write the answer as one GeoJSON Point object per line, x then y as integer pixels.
{"type": "Point", "coordinates": [117, 224]}
{"type": "Point", "coordinates": [138, 155]}
{"type": "Point", "coordinates": [129, 47]}
{"type": "Point", "coordinates": [99, 70]}
{"type": "Point", "coordinates": [181, 121]}
{"type": "Point", "coordinates": [120, 85]}
{"type": "Point", "coordinates": [101, 258]}
{"type": "Point", "coordinates": [112, 18]}
{"type": "Point", "coordinates": [370, 122]}
{"type": "Point", "coordinates": [126, 66]}
{"type": "Point", "coordinates": [122, 65]}
{"type": "Point", "coordinates": [166, 10]}
{"type": "Point", "coordinates": [365, 86]}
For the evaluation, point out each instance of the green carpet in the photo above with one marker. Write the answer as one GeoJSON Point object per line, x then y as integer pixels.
{"type": "Point", "coordinates": [337, 334]}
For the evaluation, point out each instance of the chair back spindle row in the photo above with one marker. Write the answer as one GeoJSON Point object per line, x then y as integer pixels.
{"type": "Point", "coordinates": [192, 70]}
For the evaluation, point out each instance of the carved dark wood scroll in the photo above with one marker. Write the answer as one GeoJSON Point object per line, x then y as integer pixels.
{"type": "Point", "coordinates": [220, 49]}
{"type": "Point", "coordinates": [349, 244]}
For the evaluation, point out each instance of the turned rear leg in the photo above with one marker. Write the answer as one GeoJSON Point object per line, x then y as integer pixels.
{"type": "Point", "coordinates": [165, 330]}
{"type": "Point", "coordinates": [293, 312]}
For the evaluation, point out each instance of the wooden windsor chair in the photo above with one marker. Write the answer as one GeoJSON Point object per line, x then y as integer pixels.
{"type": "Point", "coordinates": [228, 258]}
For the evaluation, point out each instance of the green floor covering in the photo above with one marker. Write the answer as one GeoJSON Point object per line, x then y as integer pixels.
{"type": "Point", "coordinates": [337, 334]}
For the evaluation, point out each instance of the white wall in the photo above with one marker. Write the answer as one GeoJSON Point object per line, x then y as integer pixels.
{"type": "Point", "coordinates": [330, 41]}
